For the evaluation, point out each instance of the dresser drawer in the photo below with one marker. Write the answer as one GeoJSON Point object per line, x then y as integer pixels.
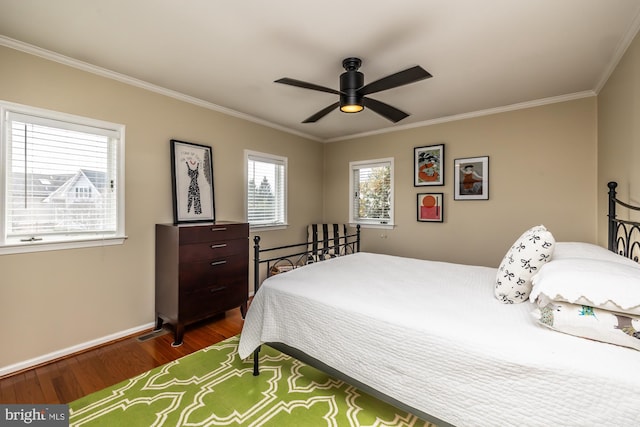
{"type": "Point", "coordinates": [213, 233]}
{"type": "Point", "coordinates": [202, 303]}
{"type": "Point", "coordinates": [212, 250]}
{"type": "Point", "coordinates": [215, 272]}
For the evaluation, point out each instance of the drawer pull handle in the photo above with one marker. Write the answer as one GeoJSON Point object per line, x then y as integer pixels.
{"type": "Point", "coordinates": [218, 262]}
{"type": "Point", "coordinates": [219, 229]}
{"type": "Point", "coordinates": [218, 289]}
{"type": "Point", "coordinates": [221, 245]}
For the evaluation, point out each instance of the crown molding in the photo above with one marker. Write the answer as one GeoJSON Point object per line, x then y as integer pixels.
{"type": "Point", "coordinates": [630, 35]}
{"type": "Point", "coordinates": [84, 66]}
{"type": "Point", "coordinates": [103, 72]}
{"type": "Point", "coordinates": [473, 114]}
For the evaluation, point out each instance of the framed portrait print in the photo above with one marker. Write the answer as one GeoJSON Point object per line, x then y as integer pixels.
{"type": "Point", "coordinates": [471, 178]}
{"type": "Point", "coordinates": [430, 207]}
{"type": "Point", "coordinates": [192, 182]}
{"type": "Point", "coordinates": [428, 165]}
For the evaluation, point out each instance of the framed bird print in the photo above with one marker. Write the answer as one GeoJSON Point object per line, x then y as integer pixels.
{"type": "Point", "coordinates": [428, 165]}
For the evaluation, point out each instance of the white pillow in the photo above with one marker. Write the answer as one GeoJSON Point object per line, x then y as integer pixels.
{"type": "Point", "coordinates": [532, 249]}
{"type": "Point", "coordinates": [564, 250]}
{"type": "Point", "coordinates": [605, 284]}
{"type": "Point", "coordinates": [588, 322]}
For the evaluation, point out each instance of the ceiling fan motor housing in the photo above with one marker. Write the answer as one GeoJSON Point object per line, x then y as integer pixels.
{"type": "Point", "coordinates": [350, 82]}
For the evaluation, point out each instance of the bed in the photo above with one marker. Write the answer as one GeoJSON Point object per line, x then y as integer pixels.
{"type": "Point", "coordinates": [450, 344]}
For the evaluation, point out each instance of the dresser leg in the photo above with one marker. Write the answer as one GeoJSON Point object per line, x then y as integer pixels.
{"type": "Point", "coordinates": [179, 333]}
{"type": "Point", "coordinates": [159, 323]}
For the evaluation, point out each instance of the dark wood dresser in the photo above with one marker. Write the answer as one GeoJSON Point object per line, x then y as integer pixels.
{"type": "Point", "coordinates": [201, 270]}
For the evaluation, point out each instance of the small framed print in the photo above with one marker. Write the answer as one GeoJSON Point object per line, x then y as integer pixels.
{"type": "Point", "coordinates": [430, 208]}
{"type": "Point", "coordinates": [428, 165]}
{"type": "Point", "coordinates": [471, 178]}
{"type": "Point", "coordinates": [192, 182]}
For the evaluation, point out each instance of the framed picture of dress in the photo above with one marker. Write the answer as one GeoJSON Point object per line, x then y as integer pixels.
{"type": "Point", "coordinates": [192, 182]}
{"type": "Point", "coordinates": [471, 178]}
{"type": "Point", "coordinates": [428, 165]}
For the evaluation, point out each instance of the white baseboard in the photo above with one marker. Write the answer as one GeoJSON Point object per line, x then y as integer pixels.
{"type": "Point", "coordinates": [5, 370]}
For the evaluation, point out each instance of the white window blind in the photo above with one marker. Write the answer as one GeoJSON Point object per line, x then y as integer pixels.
{"type": "Point", "coordinates": [61, 179]}
{"type": "Point", "coordinates": [266, 189]}
{"type": "Point", "coordinates": [371, 188]}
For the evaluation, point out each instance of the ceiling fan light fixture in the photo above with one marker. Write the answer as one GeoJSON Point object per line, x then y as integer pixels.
{"type": "Point", "coordinates": [351, 108]}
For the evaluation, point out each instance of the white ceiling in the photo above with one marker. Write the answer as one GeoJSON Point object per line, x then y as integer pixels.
{"type": "Point", "coordinates": [484, 55]}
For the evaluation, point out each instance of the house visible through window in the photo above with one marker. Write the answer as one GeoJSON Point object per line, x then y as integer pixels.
{"type": "Point", "coordinates": [266, 197]}
{"type": "Point", "coordinates": [371, 190]}
{"type": "Point", "coordinates": [62, 175]}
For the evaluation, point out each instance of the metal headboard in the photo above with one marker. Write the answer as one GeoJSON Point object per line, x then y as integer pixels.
{"type": "Point", "coordinates": [346, 244]}
{"type": "Point", "coordinates": [624, 235]}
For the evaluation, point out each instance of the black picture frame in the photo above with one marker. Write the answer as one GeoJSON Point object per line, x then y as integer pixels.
{"type": "Point", "coordinates": [430, 207]}
{"type": "Point", "coordinates": [428, 165]}
{"type": "Point", "coordinates": [192, 182]}
{"type": "Point", "coordinates": [476, 185]}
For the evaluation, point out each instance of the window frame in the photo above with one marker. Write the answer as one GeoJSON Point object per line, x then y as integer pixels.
{"type": "Point", "coordinates": [266, 158]}
{"type": "Point", "coordinates": [68, 241]}
{"type": "Point", "coordinates": [377, 223]}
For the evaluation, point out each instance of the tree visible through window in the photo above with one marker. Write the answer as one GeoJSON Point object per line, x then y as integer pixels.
{"type": "Point", "coordinates": [266, 189]}
{"type": "Point", "coordinates": [371, 187]}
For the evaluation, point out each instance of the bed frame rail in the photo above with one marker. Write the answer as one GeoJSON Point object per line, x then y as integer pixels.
{"type": "Point", "coordinates": [624, 235]}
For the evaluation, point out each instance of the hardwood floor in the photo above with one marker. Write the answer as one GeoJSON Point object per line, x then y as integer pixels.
{"type": "Point", "coordinates": [68, 379]}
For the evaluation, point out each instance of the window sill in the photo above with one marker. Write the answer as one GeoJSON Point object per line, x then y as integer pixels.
{"type": "Point", "coordinates": [257, 228]}
{"type": "Point", "coordinates": [56, 246]}
{"type": "Point", "coordinates": [378, 226]}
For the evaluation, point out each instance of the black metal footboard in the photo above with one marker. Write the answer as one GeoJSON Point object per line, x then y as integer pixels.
{"type": "Point", "coordinates": [295, 256]}
{"type": "Point", "coordinates": [624, 235]}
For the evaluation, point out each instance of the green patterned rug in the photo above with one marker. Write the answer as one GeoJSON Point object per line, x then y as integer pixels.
{"type": "Point", "coordinates": [214, 387]}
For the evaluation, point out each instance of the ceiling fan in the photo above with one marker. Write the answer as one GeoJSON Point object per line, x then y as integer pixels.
{"type": "Point", "coordinates": [353, 90]}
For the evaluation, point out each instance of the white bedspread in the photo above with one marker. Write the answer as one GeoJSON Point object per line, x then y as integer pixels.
{"type": "Point", "coordinates": [433, 336]}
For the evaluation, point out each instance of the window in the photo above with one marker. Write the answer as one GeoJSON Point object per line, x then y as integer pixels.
{"type": "Point", "coordinates": [60, 179]}
{"type": "Point", "coordinates": [371, 190]}
{"type": "Point", "coordinates": [266, 189]}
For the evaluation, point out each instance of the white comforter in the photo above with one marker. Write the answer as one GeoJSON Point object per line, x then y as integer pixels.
{"type": "Point", "coordinates": [433, 336]}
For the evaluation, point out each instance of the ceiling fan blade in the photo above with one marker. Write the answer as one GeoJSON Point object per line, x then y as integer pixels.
{"type": "Point", "coordinates": [305, 85]}
{"type": "Point", "coordinates": [320, 114]}
{"type": "Point", "coordinates": [401, 78]}
{"type": "Point", "coordinates": [385, 110]}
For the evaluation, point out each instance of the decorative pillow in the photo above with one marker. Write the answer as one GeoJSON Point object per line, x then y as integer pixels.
{"type": "Point", "coordinates": [588, 322]}
{"type": "Point", "coordinates": [532, 249]}
{"type": "Point", "coordinates": [564, 250]}
{"type": "Point", "coordinates": [608, 285]}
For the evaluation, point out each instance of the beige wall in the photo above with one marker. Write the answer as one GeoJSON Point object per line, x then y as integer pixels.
{"type": "Point", "coordinates": [542, 164]}
{"type": "Point", "coordinates": [619, 133]}
{"type": "Point", "coordinates": [541, 170]}
{"type": "Point", "coordinates": [51, 301]}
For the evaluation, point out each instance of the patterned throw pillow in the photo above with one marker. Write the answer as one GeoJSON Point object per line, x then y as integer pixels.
{"type": "Point", "coordinates": [589, 322]}
{"type": "Point", "coordinates": [532, 249]}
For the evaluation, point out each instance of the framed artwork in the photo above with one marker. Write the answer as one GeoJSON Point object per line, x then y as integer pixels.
{"type": "Point", "coordinates": [430, 208]}
{"type": "Point", "coordinates": [471, 178]}
{"type": "Point", "coordinates": [192, 182]}
{"type": "Point", "coordinates": [428, 165]}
